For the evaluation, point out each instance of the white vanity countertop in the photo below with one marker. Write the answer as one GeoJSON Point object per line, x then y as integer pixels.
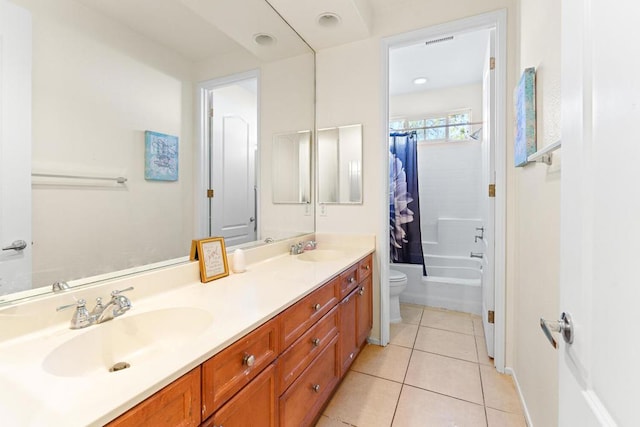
{"type": "Point", "coordinates": [32, 396]}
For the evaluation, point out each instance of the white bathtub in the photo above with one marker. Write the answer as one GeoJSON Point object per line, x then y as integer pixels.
{"type": "Point", "coordinates": [453, 282]}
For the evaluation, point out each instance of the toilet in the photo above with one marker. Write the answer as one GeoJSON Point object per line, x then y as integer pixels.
{"type": "Point", "coordinates": [397, 285]}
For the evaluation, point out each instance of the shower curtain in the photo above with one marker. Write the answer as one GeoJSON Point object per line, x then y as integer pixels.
{"type": "Point", "coordinates": [404, 206]}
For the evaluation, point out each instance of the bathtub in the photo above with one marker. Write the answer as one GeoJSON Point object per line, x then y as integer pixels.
{"type": "Point", "coordinates": [452, 282]}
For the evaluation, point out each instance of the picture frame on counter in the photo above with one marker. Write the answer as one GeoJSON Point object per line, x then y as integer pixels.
{"type": "Point", "coordinates": [211, 255]}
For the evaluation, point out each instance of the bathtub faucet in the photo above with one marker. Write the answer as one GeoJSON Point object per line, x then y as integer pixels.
{"type": "Point", "coordinates": [476, 255]}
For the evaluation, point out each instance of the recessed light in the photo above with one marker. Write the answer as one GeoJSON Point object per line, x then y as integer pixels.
{"type": "Point", "coordinates": [420, 80]}
{"type": "Point", "coordinates": [328, 20]}
{"type": "Point", "coordinates": [264, 39]}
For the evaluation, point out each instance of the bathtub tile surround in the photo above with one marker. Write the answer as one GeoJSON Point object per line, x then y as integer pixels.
{"type": "Point", "coordinates": [438, 388]}
{"type": "Point", "coordinates": [32, 394]}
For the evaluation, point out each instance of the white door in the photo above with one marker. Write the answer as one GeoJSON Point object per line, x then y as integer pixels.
{"type": "Point", "coordinates": [488, 177]}
{"type": "Point", "coordinates": [599, 372]}
{"type": "Point", "coordinates": [233, 152]}
{"type": "Point", "coordinates": [15, 148]}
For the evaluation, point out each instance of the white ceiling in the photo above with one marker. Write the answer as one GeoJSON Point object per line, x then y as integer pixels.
{"type": "Point", "coordinates": [445, 64]}
{"type": "Point", "coordinates": [202, 29]}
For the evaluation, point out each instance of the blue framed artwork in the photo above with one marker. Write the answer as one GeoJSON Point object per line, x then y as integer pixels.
{"type": "Point", "coordinates": [160, 156]}
{"type": "Point", "coordinates": [525, 105]}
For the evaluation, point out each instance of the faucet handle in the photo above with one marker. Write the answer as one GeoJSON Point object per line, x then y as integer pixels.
{"type": "Point", "coordinates": [98, 309]}
{"type": "Point", "coordinates": [81, 318]}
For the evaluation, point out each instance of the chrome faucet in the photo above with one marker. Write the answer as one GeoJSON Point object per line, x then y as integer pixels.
{"type": "Point", "coordinates": [481, 236]}
{"type": "Point", "coordinates": [117, 306]}
{"type": "Point", "coordinates": [296, 249]}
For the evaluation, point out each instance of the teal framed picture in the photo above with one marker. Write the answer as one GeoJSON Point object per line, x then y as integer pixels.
{"type": "Point", "coordinates": [160, 156]}
{"type": "Point", "coordinates": [525, 106]}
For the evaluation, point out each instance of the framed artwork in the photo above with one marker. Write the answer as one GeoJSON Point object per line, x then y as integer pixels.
{"type": "Point", "coordinates": [160, 156]}
{"type": "Point", "coordinates": [524, 98]}
{"type": "Point", "coordinates": [212, 256]}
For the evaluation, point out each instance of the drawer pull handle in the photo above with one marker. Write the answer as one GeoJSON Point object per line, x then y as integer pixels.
{"type": "Point", "coordinates": [316, 306]}
{"type": "Point", "coordinates": [249, 360]}
{"type": "Point", "coordinates": [352, 279]}
{"type": "Point", "coordinates": [361, 291]}
{"type": "Point", "coordinates": [316, 388]}
{"type": "Point", "coordinates": [366, 267]}
{"type": "Point", "coordinates": [315, 342]}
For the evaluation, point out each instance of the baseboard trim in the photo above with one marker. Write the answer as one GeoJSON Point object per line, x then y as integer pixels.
{"type": "Point", "coordinates": [527, 416]}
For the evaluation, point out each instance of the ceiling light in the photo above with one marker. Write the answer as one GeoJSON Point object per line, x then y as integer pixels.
{"type": "Point", "coordinates": [264, 39]}
{"type": "Point", "coordinates": [328, 20]}
{"type": "Point", "coordinates": [420, 80]}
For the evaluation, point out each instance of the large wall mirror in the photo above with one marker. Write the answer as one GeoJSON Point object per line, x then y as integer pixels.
{"type": "Point", "coordinates": [340, 165]}
{"type": "Point", "coordinates": [103, 73]}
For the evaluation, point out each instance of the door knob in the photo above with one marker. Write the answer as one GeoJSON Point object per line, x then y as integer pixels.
{"type": "Point", "coordinates": [17, 246]}
{"type": "Point", "coordinates": [564, 326]}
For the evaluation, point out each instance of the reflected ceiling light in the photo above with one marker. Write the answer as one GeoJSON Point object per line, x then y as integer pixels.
{"type": "Point", "coordinates": [264, 39]}
{"type": "Point", "coordinates": [328, 20]}
{"type": "Point", "coordinates": [420, 80]}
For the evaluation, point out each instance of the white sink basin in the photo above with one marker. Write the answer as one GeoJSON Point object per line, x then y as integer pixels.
{"type": "Point", "coordinates": [130, 338]}
{"type": "Point", "coordinates": [320, 255]}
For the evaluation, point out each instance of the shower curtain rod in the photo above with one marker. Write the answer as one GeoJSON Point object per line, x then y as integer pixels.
{"type": "Point", "coordinates": [436, 126]}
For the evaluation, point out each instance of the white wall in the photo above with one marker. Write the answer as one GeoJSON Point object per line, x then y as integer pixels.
{"type": "Point", "coordinates": [350, 91]}
{"type": "Point", "coordinates": [97, 86]}
{"type": "Point", "coordinates": [537, 187]}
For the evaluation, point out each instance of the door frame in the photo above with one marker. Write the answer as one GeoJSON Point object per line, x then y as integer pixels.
{"type": "Point", "coordinates": [203, 172]}
{"type": "Point", "coordinates": [498, 21]}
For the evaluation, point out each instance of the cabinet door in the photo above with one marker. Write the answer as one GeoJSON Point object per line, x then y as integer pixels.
{"type": "Point", "coordinates": [254, 405]}
{"type": "Point", "coordinates": [300, 405]}
{"type": "Point", "coordinates": [228, 371]}
{"type": "Point", "coordinates": [364, 309]}
{"type": "Point", "coordinates": [348, 335]}
{"type": "Point", "coordinates": [178, 404]}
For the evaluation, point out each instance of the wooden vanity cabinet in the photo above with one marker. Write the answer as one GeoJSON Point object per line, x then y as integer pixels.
{"type": "Point", "coordinates": [255, 405]}
{"type": "Point", "coordinates": [178, 404]}
{"type": "Point", "coordinates": [281, 373]}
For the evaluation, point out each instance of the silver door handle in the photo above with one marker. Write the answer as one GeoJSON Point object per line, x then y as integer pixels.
{"type": "Point", "coordinates": [17, 246]}
{"type": "Point", "coordinates": [252, 219]}
{"type": "Point", "coordinates": [564, 326]}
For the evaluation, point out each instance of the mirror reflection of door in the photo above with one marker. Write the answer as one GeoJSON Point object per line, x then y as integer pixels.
{"type": "Point", "coordinates": [233, 114]}
{"type": "Point", "coordinates": [15, 149]}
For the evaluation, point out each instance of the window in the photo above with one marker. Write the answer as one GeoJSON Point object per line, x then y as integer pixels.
{"type": "Point", "coordinates": [437, 128]}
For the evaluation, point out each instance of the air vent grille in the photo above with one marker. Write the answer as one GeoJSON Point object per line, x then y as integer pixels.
{"type": "Point", "coordinates": [440, 40]}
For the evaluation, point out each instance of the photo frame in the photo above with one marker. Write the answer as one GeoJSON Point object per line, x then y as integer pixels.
{"type": "Point", "coordinates": [211, 254]}
{"type": "Point", "coordinates": [524, 99]}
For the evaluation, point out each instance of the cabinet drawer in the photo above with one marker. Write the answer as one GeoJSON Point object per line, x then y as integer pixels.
{"type": "Point", "coordinates": [254, 405]}
{"type": "Point", "coordinates": [297, 357]}
{"type": "Point", "coordinates": [231, 369]}
{"type": "Point", "coordinates": [299, 317]}
{"type": "Point", "coordinates": [301, 403]}
{"type": "Point", "coordinates": [365, 267]}
{"type": "Point", "coordinates": [348, 280]}
{"type": "Point", "coordinates": [178, 404]}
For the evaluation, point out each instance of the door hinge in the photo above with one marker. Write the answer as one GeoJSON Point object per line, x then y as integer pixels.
{"type": "Point", "coordinates": [492, 190]}
{"type": "Point", "coordinates": [211, 112]}
{"type": "Point", "coordinates": [491, 316]}
{"type": "Point", "coordinates": [492, 63]}
{"type": "Point", "coordinates": [210, 193]}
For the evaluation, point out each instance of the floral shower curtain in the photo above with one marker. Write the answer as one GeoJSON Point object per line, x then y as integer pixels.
{"type": "Point", "coordinates": [404, 205]}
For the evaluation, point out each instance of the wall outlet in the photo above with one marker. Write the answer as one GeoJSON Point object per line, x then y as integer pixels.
{"type": "Point", "coordinates": [323, 210]}
{"type": "Point", "coordinates": [307, 209]}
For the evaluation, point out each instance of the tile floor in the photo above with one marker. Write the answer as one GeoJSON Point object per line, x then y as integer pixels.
{"type": "Point", "coordinates": [434, 372]}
